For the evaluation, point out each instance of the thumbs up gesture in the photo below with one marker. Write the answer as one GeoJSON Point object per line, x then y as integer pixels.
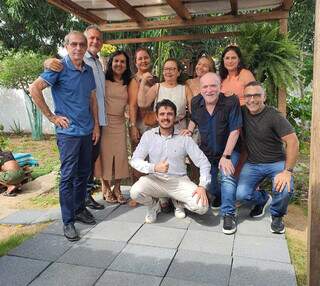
{"type": "Point", "coordinates": [162, 167]}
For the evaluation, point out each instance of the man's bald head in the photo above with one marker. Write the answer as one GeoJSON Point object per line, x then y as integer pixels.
{"type": "Point", "coordinates": [209, 77]}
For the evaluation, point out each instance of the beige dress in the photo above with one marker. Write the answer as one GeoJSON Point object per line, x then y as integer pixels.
{"type": "Point", "coordinates": [114, 139]}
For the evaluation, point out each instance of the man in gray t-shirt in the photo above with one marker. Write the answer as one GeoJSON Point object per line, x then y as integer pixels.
{"type": "Point", "coordinates": [264, 132]}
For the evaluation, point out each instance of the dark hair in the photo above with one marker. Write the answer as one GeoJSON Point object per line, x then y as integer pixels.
{"type": "Point", "coordinates": [253, 83]}
{"type": "Point", "coordinates": [180, 79]}
{"type": "Point", "coordinates": [222, 70]}
{"type": "Point", "coordinates": [166, 103]}
{"type": "Point", "coordinates": [139, 50]}
{"type": "Point", "coordinates": [127, 73]}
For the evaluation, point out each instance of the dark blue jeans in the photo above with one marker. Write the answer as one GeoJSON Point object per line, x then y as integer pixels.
{"type": "Point", "coordinates": [75, 156]}
{"type": "Point", "coordinates": [250, 177]}
{"type": "Point", "coordinates": [226, 189]}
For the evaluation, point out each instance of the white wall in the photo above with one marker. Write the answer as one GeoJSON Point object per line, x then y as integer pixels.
{"type": "Point", "coordinates": [12, 107]}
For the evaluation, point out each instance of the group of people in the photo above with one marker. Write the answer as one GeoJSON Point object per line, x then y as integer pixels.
{"type": "Point", "coordinates": [89, 115]}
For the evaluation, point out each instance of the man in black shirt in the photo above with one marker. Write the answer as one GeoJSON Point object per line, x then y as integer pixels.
{"type": "Point", "coordinates": [264, 131]}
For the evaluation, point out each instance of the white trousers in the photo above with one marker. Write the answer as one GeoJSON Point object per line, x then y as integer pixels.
{"type": "Point", "coordinates": [148, 189]}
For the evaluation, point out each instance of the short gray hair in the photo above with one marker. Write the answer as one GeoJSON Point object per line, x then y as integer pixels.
{"type": "Point", "coordinates": [67, 37]}
{"type": "Point", "coordinates": [92, 27]}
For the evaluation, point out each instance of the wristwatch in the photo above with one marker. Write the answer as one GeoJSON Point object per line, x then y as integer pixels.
{"type": "Point", "coordinates": [226, 156]}
{"type": "Point", "coordinates": [289, 170]}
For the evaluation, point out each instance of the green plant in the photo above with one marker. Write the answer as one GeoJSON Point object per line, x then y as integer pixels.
{"type": "Point", "coordinates": [18, 70]}
{"type": "Point", "coordinates": [274, 58]}
{"type": "Point", "coordinates": [16, 128]}
{"type": "Point", "coordinates": [3, 139]}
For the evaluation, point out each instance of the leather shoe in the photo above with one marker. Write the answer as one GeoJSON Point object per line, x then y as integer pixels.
{"type": "Point", "coordinates": [84, 218]}
{"type": "Point", "coordinates": [92, 204]}
{"type": "Point", "coordinates": [70, 232]}
{"type": "Point", "coordinates": [88, 213]}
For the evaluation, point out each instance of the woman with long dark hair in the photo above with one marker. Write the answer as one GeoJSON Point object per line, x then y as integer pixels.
{"type": "Point", "coordinates": [234, 75]}
{"type": "Point", "coordinates": [114, 155]}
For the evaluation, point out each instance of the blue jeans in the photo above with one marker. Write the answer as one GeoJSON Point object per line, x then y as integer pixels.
{"type": "Point", "coordinates": [250, 177]}
{"type": "Point", "coordinates": [75, 156]}
{"type": "Point", "coordinates": [227, 188]}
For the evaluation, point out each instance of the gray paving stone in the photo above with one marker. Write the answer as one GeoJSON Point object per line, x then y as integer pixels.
{"type": "Point", "coordinates": [167, 281]}
{"type": "Point", "coordinates": [200, 267]}
{"type": "Point", "coordinates": [114, 278]}
{"type": "Point", "coordinates": [169, 220]}
{"type": "Point", "coordinates": [101, 215]}
{"type": "Point", "coordinates": [44, 247]}
{"type": "Point", "coordinates": [114, 230]}
{"type": "Point", "coordinates": [128, 214]}
{"type": "Point", "coordinates": [261, 248]}
{"type": "Point", "coordinates": [53, 214]}
{"type": "Point", "coordinates": [257, 227]}
{"type": "Point", "coordinates": [251, 272]}
{"type": "Point", "coordinates": [16, 271]}
{"type": "Point", "coordinates": [22, 217]}
{"type": "Point", "coordinates": [96, 253]}
{"type": "Point", "coordinates": [66, 274]}
{"type": "Point", "coordinates": [57, 228]}
{"type": "Point", "coordinates": [208, 241]}
{"type": "Point", "coordinates": [143, 259]}
{"type": "Point", "coordinates": [158, 236]}
{"type": "Point", "coordinates": [207, 222]}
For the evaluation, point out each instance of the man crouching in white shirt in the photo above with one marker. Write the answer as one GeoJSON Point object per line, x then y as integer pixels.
{"type": "Point", "coordinates": [166, 168]}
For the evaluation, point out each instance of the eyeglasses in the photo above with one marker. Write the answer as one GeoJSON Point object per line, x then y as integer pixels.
{"type": "Point", "coordinates": [254, 95]}
{"type": "Point", "coordinates": [75, 44]}
{"type": "Point", "coordinates": [170, 69]}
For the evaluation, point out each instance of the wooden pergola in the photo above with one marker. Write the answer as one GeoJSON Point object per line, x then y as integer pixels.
{"type": "Point", "coordinates": [140, 15]}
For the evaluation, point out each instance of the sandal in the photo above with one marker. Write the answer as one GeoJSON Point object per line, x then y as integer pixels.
{"type": "Point", "coordinates": [120, 198]}
{"type": "Point", "coordinates": [133, 203]}
{"type": "Point", "coordinates": [11, 194]}
{"type": "Point", "coordinates": [109, 197]}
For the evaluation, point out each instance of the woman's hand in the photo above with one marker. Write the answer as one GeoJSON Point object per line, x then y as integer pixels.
{"type": "Point", "coordinates": [134, 134]}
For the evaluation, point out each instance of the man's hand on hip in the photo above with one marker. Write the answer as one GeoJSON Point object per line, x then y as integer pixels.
{"type": "Point", "coordinates": [59, 121]}
{"type": "Point", "coordinates": [202, 196]}
{"type": "Point", "coordinates": [162, 167]}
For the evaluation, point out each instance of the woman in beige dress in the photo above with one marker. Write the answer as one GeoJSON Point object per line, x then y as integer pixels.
{"type": "Point", "coordinates": [114, 156]}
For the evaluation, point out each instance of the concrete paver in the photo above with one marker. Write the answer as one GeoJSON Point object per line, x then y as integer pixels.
{"type": "Point", "coordinates": [68, 275]}
{"type": "Point", "coordinates": [19, 270]}
{"type": "Point", "coordinates": [122, 250]}
{"type": "Point", "coordinates": [247, 271]}
{"type": "Point", "coordinates": [144, 260]}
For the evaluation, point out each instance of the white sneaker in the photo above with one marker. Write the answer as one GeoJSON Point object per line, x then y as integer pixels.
{"type": "Point", "coordinates": [152, 212]}
{"type": "Point", "coordinates": [179, 213]}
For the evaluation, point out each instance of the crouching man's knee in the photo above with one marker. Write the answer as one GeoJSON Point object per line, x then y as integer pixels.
{"type": "Point", "coordinates": [135, 192]}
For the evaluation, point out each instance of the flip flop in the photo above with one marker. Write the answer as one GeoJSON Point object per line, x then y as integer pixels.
{"type": "Point", "coordinates": [11, 194]}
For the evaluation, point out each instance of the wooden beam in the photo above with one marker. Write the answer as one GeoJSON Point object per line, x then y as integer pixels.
{"type": "Point", "coordinates": [180, 9]}
{"type": "Point", "coordinates": [127, 9]}
{"type": "Point", "coordinates": [77, 10]}
{"type": "Point", "coordinates": [217, 35]}
{"type": "Point", "coordinates": [234, 7]}
{"type": "Point", "coordinates": [197, 21]}
{"type": "Point", "coordinates": [282, 95]}
{"type": "Point", "coordinates": [314, 179]}
{"type": "Point", "coordinates": [287, 4]}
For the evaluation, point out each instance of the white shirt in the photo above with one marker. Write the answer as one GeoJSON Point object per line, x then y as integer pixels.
{"type": "Point", "coordinates": [174, 149]}
{"type": "Point", "coordinates": [100, 80]}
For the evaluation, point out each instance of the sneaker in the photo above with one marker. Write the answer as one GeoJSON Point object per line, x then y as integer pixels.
{"type": "Point", "coordinates": [152, 212]}
{"type": "Point", "coordinates": [229, 224]}
{"type": "Point", "coordinates": [179, 213]}
{"type": "Point", "coordinates": [277, 225]}
{"type": "Point", "coordinates": [216, 203]}
{"type": "Point", "coordinates": [259, 210]}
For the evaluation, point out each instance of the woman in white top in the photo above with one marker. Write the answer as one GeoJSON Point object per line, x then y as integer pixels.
{"type": "Point", "coordinates": [179, 94]}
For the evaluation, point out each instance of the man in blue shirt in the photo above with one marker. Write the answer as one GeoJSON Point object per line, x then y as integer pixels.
{"type": "Point", "coordinates": [219, 120]}
{"type": "Point", "coordinates": [94, 42]}
{"type": "Point", "coordinates": [76, 121]}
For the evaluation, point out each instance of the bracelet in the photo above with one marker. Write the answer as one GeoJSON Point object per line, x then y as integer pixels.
{"type": "Point", "coordinates": [190, 131]}
{"type": "Point", "coordinates": [131, 124]}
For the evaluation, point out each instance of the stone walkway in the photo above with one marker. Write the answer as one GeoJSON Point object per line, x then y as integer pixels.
{"type": "Point", "coordinates": [122, 250]}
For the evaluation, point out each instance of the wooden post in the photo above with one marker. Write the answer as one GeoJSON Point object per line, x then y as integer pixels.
{"type": "Point", "coordinates": [314, 181]}
{"type": "Point", "coordinates": [282, 95]}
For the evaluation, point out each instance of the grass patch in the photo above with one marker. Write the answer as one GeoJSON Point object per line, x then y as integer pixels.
{"type": "Point", "coordinates": [50, 199]}
{"type": "Point", "coordinates": [298, 254]}
{"type": "Point", "coordinates": [13, 236]}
